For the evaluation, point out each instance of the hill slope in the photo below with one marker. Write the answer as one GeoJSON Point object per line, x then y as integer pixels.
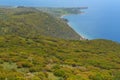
{"type": "Point", "coordinates": [45, 58]}
{"type": "Point", "coordinates": [27, 52]}
{"type": "Point", "coordinates": [31, 22]}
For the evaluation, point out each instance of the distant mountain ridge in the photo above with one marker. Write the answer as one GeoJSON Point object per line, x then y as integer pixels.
{"type": "Point", "coordinates": [32, 22]}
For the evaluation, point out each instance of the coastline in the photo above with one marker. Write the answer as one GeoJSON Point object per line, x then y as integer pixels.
{"type": "Point", "coordinates": [81, 36]}
{"type": "Point", "coordinates": [62, 16]}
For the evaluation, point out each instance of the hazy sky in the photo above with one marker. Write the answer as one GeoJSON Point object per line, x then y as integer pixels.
{"type": "Point", "coordinates": [52, 3]}
{"type": "Point", "coordinates": [101, 4]}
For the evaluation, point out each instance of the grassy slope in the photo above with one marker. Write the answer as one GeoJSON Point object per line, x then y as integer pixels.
{"type": "Point", "coordinates": [45, 58]}
{"type": "Point", "coordinates": [31, 22]}
{"type": "Point", "coordinates": [27, 53]}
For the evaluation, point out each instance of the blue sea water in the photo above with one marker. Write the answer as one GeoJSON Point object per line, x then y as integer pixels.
{"type": "Point", "coordinates": [100, 20]}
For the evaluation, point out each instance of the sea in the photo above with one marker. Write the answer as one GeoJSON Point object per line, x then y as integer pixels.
{"type": "Point", "coordinates": [100, 21]}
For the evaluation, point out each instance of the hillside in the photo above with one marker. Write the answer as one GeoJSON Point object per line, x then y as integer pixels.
{"type": "Point", "coordinates": [46, 58]}
{"type": "Point", "coordinates": [29, 22]}
{"type": "Point", "coordinates": [37, 46]}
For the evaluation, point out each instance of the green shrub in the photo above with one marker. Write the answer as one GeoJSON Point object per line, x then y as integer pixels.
{"type": "Point", "coordinates": [116, 76]}
{"type": "Point", "coordinates": [96, 77]}
{"type": "Point", "coordinates": [59, 73]}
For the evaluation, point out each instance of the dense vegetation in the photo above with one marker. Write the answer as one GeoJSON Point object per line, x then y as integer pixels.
{"type": "Point", "coordinates": [30, 51]}
{"type": "Point", "coordinates": [31, 22]}
{"type": "Point", "coordinates": [45, 58]}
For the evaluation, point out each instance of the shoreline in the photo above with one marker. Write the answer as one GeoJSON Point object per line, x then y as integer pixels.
{"type": "Point", "coordinates": [81, 36]}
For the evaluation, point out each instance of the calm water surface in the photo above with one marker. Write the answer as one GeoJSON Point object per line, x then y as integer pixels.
{"type": "Point", "coordinates": [100, 20]}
